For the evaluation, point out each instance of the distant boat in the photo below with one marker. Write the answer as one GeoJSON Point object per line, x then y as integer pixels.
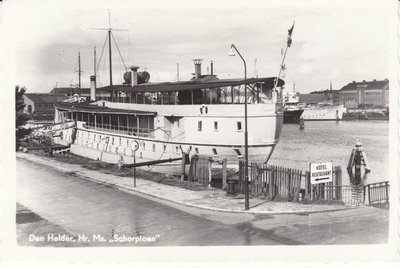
{"type": "Point", "coordinates": [324, 112]}
{"type": "Point", "coordinates": [291, 111]}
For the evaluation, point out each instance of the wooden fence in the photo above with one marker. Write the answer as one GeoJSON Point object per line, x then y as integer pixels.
{"type": "Point", "coordinates": [272, 181]}
{"type": "Point", "coordinates": [286, 183]}
{"type": "Point", "coordinates": [199, 169]}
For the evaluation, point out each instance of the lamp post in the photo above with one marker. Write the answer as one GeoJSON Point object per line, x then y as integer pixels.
{"type": "Point", "coordinates": [246, 147]}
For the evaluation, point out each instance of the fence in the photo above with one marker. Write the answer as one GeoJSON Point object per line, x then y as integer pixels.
{"type": "Point", "coordinates": [199, 169]}
{"type": "Point", "coordinates": [328, 191]}
{"type": "Point", "coordinates": [376, 193]}
{"type": "Point", "coordinates": [291, 184]}
{"type": "Point", "coordinates": [272, 181]}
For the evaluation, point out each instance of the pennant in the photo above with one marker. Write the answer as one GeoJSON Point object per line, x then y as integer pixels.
{"type": "Point", "coordinates": [289, 40]}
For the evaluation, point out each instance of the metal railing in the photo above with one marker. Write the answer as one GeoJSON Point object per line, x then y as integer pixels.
{"type": "Point", "coordinates": [132, 131]}
{"type": "Point", "coordinates": [376, 193]}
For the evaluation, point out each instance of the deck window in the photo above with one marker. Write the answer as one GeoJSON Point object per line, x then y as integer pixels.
{"type": "Point", "coordinates": [239, 126]}
{"type": "Point", "coordinates": [199, 125]}
{"type": "Point", "coordinates": [165, 147]}
{"type": "Point", "coordinates": [154, 147]}
{"type": "Point", "coordinates": [215, 125]}
{"type": "Point", "coordinates": [215, 151]}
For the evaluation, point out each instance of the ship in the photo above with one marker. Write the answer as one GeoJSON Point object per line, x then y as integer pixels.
{"type": "Point", "coordinates": [324, 112]}
{"type": "Point", "coordinates": [291, 111]}
{"type": "Point", "coordinates": [204, 115]}
{"type": "Point", "coordinates": [141, 121]}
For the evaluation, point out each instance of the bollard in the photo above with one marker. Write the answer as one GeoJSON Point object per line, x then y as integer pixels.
{"type": "Point", "coordinates": [230, 190]}
{"type": "Point", "coordinates": [301, 123]}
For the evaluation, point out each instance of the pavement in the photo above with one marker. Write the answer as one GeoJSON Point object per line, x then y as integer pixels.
{"type": "Point", "coordinates": [211, 199]}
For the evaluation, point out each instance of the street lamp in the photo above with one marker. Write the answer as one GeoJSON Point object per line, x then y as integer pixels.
{"type": "Point", "coordinates": [246, 147]}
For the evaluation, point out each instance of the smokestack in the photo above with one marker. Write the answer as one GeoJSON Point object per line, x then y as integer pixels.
{"type": "Point", "coordinates": [212, 68]}
{"type": "Point", "coordinates": [134, 73]}
{"type": "Point", "coordinates": [197, 68]}
{"type": "Point", "coordinates": [92, 88]}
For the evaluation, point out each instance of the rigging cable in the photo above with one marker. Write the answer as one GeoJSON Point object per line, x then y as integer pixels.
{"type": "Point", "coordinates": [119, 52]}
{"type": "Point", "coordinates": [130, 55]}
{"type": "Point", "coordinates": [101, 55]}
{"type": "Point", "coordinates": [73, 74]}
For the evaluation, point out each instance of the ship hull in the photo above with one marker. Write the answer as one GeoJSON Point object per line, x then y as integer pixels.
{"type": "Point", "coordinates": [292, 116]}
{"type": "Point", "coordinates": [324, 113]}
{"type": "Point", "coordinates": [171, 140]}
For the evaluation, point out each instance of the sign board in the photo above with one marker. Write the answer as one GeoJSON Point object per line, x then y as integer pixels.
{"type": "Point", "coordinates": [321, 172]}
{"type": "Point", "coordinates": [134, 145]}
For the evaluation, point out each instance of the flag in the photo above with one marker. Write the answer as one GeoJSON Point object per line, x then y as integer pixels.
{"type": "Point", "coordinates": [289, 40]}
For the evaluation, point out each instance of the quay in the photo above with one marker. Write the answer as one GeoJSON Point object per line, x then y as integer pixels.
{"type": "Point", "coordinates": [208, 198]}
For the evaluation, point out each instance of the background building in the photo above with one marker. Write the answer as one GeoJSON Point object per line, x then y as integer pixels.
{"type": "Point", "coordinates": [323, 96]}
{"type": "Point", "coordinates": [365, 94]}
{"type": "Point", "coordinates": [70, 91]}
{"type": "Point", "coordinates": [41, 105]}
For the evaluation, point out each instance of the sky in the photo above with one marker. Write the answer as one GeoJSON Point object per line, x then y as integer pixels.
{"type": "Point", "coordinates": [339, 42]}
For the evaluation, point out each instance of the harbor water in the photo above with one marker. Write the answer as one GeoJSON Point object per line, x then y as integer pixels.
{"type": "Point", "coordinates": [323, 141]}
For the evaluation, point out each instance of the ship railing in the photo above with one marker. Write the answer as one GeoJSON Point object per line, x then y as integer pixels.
{"type": "Point", "coordinates": [131, 131]}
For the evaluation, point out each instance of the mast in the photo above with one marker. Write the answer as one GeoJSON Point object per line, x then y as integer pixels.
{"type": "Point", "coordinates": [94, 61]}
{"type": "Point", "coordinates": [283, 67]}
{"type": "Point", "coordinates": [109, 35]}
{"type": "Point", "coordinates": [79, 71]}
{"type": "Point", "coordinates": [177, 71]}
{"type": "Point", "coordinates": [109, 54]}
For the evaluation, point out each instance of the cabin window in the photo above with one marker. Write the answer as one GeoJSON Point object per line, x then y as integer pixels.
{"type": "Point", "coordinates": [177, 149]}
{"type": "Point", "coordinates": [112, 141]}
{"type": "Point", "coordinates": [144, 146]}
{"type": "Point", "coordinates": [196, 150]}
{"type": "Point", "coordinates": [239, 126]}
{"type": "Point", "coordinates": [199, 125]}
{"type": "Point", "coordinates": [215, 151]}
{"type": "Point", "coordinates": [154, 147]}
{"type": "Point", "coordinates": [216, 125]}
{"type": "Point", "coordinates": [165, 147]}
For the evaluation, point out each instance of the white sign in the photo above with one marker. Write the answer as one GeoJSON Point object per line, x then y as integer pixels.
{"type": "Point", "coordinates": [135, 145]}
{"type": "Point", "coordinates": [321, 172]}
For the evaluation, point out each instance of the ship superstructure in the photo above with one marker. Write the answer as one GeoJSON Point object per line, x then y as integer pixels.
{"type": "Point", "coordinates": [200, 116]}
